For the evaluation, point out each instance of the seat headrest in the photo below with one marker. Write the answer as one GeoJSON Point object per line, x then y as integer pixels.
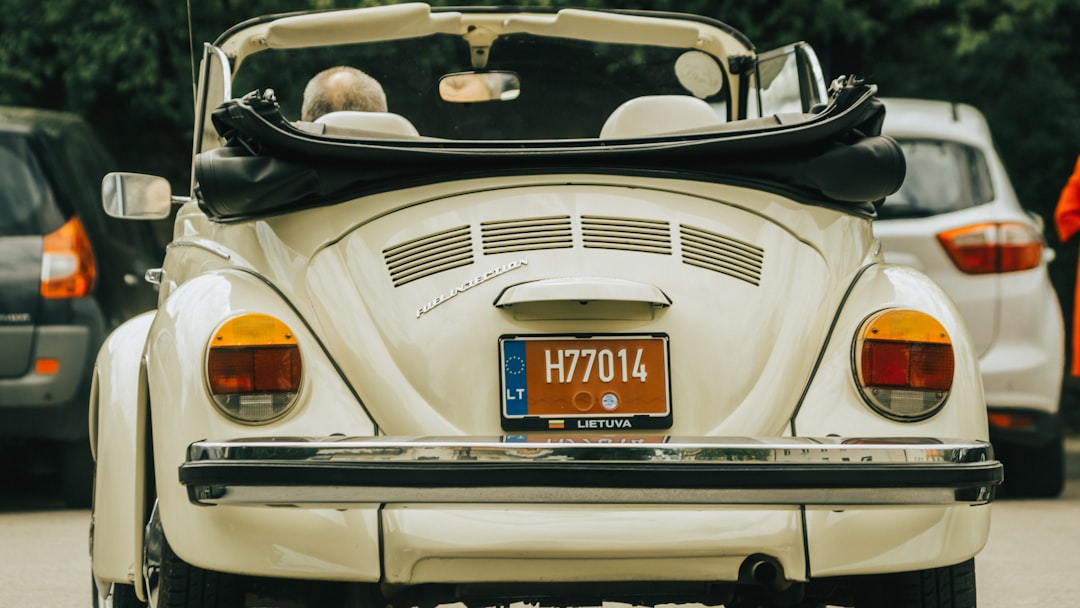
{"type": "Point", "coordinates": [658, 115]}
{"type": "Point", "coordinates": [367, 123]}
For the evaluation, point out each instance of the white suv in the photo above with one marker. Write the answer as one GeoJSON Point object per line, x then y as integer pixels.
{"type": "Point", "coordinates": [957, 219]}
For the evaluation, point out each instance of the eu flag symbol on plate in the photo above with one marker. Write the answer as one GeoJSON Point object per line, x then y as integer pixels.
{"type": "Point", "coordinates": [516, 397]}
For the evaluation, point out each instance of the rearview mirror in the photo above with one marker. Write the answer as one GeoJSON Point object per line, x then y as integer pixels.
{"type": "Point", "coordinates": [473, 87]}
{"type": "Point", "coordinates": [136, 196]}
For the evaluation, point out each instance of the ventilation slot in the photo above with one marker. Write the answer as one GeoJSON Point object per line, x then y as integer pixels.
{"type": "Point", "coordinates": [428, 255]}
{"type": "Point", "coordinates": [648, 236]}
{"type": "Point", "coordinates": [527, 234]}
{"type": "Point", "coordinates": [722, 254]}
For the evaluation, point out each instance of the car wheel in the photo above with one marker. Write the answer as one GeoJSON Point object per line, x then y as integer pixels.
{"type": "Point", "coordinates": [76, 473]}
{"type": "Point", "coordinates": [185, 586]}
{"type": "Point", "coordinates": [1034, 471]}
{"type": "Point", "coordinates": [946, 587]}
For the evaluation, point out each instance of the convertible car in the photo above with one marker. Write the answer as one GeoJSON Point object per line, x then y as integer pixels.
{"type": "Point", "coordinates": [593, 312]}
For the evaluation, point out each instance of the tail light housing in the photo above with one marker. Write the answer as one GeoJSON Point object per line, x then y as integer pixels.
{"type": "Point", "coordinates": [993, 247]}
{"type": "Point", "coordinates": [904, 363]}
{"type": "Point", "coordinates": [253, 368]}
{"type": "Point", "coordinates": [67, 262]}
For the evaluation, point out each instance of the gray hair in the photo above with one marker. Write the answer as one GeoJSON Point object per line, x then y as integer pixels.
{"type": "Point", "coordinates": [341, 88]}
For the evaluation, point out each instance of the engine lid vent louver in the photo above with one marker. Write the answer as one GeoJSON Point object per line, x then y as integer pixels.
{"type": "Point", "coordinates": [527, 234]}
{"type": "Point", "coordinates": [722, 254]}
{"type": "Point", "coordinates": [440, 251]}
{"type": "Point", "coordinates": [430, 254]}
{"type": "Point", "coordinates": [648, 236]}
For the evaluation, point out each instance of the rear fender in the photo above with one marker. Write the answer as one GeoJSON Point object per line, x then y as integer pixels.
{"type": "Point", "coordinates": [118, 435]}
{"type": "Point", "coordinates": [913, 538]}
{"type": "Point", "coordinates": [827, 408]}
{"type": "Point", "coordinates": [274, 542]}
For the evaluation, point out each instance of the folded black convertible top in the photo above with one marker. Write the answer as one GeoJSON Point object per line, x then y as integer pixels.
{"type": "Point", "coordinates": [268, 165]}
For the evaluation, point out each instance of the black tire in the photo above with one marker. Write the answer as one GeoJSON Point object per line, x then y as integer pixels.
{"type": "Point", "coordinates": [185, 586]}
{"type": "Point", "coordinates": [946, 587]}
{"type": "Point", "coordinates": [76, 473]}
{"type": "Point", "coordinates": [1034, 471]}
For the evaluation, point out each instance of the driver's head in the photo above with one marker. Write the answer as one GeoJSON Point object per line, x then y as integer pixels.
{"type": "Point", "coordinates": [341, 88]}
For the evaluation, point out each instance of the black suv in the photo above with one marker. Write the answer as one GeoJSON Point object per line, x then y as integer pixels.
{"type": "Point", "coordinates": [68, 274]}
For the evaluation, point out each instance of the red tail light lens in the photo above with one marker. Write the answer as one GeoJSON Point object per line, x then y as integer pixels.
{"type": "Point", "coordinates": [993, 247]}
{"type": "Point", "coordinates": [904, 364]}
{"type": "Point", "coordinates": [67, 262]}
{"type": "Point", "coordinates": [253, 368]}
{"type": "Point", "coordinates": [1011, 420]}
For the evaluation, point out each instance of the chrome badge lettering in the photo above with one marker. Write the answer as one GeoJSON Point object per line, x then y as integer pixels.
{"type": "Point", "coordinates": [15, 317]}
{"type": "Point", "coordinates": [478, 279]}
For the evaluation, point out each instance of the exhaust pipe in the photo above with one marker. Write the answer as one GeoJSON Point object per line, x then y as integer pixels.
{"type": "Point", "coordinates": [765, 571]}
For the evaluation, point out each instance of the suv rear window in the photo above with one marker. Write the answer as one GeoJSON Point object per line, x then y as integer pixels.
{"type": "Point", "coordinates": [942, 176]}
{"type": "Point", "coordinates": [27, 205]}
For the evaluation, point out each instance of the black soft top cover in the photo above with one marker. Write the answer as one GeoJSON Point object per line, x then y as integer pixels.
{"type": "Point", "coordinates": [836, 157]}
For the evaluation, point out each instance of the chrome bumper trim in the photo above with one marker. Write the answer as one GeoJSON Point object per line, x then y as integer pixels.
{"type": "Point", "coordinates": [829, 471]}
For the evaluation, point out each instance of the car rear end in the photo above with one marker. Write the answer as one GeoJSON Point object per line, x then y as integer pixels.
{"type": "Point", "coordinates": [958, 220]}
{"type": "Point", "coordinates": [519, 354]}
{"type": "Point", "coordinates": [51, 325]}
{"type": "Point", "coordinates": [629, 380]}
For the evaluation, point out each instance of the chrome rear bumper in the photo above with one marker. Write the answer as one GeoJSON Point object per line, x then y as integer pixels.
{"type": "Point", "coordinates": [338, 472]}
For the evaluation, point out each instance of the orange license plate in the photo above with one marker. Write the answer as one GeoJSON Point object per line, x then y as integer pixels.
{"type": "Point", "coordinates": [594, 383]}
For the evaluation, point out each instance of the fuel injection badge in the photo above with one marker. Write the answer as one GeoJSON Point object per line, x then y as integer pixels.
{"type": "Point", "coordinates": [478, 279]}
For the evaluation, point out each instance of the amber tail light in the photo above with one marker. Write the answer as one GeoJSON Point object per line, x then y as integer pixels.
{"type": "Point", "coordinates": [993, 247]}
{"type": "Point", "coordinates": [67, 264]}
{"type": "Point", "coordinates": [904, 364]}
{"type": "Point", "coordinates": [254, 368]}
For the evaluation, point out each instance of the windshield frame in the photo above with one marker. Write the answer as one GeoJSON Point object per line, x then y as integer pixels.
{"type": "Point", "coordinates": [223, 59]}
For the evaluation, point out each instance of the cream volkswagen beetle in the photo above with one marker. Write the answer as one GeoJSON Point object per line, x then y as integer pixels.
{"type": "Point", "coordinates": [604, 320]}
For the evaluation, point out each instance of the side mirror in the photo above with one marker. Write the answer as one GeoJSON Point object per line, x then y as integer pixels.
{"type": "Point", "coordinates": [135, 196]}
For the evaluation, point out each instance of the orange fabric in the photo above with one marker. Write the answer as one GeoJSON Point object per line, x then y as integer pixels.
{"type": "Point", "coordinates": [1067, 222]}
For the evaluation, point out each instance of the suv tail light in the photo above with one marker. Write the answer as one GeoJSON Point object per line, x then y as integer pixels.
{"type": "Point", "coordinates": [904, 364]}
{"type": "Point", "coordinates": [1012, 420]}
{"type": "Point", "coordinates": [253, 368]}
{"type": "Point", "coordinates": [993, 247]}
{"type": "Point", "coordinates": [67, 262]}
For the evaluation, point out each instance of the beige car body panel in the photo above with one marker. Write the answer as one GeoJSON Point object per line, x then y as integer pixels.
{"type": "Point", "coordinates": [117, 428]}
{"type": "Point", "coordinates": [340, 545]}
